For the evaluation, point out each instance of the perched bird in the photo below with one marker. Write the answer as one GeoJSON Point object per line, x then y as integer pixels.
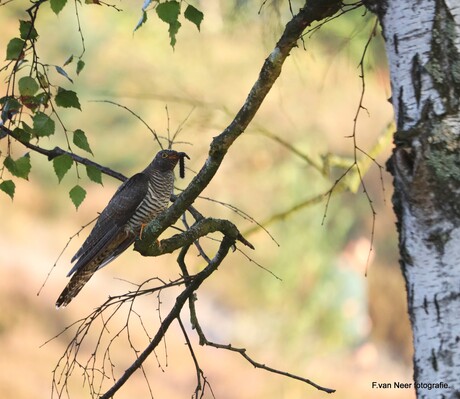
{"type": "Point", "coordinates": [135, 204]}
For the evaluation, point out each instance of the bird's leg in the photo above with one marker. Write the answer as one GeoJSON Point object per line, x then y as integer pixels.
{"type": "Point", "coordinates": [142, 230]}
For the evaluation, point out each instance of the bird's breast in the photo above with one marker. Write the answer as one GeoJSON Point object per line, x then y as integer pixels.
{"type": "Point", "coordinates": [155, 202]}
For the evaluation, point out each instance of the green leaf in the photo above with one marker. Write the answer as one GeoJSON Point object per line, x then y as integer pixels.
{"type": "Point", "coordinates": [11, 106]}
{"type": "Point", "coordinates": [27, 129]}
{"type": "Point", "coordinates": [8, 187]}
{"type": "Point", "coordinates": [141, 21]}
{"type": "Point", "coordinates": [62, 164]}
{"type": "Point", "coordinates": [10, 103]}
{"type": "Point", "coordinates": [14, 49]}
{"type": "Point", "coordinates": [27, 30]}
{"type": "Point", "coordinates": [77, 195]}
{"type": "Point", "coordinates": [27, 86]}
{"type": "Point", "coordinates": [20, 167]}
{"type": "Point", "coordinates": [43, 125]}
{"type": "Point", "coordinates": [169, 13]}
{"type": "Point", "coordinates": [57, 5]}
{"type": "Point", "coordinates": [173, 29]}
{"type": "Point", "coordinates": [22, 135]}
{"type": "Point", "coordinates": [43, 80]}
{"type": "Point", "coordinates": [63, 73]}
{"type": "Point", "coordinates": [67, 99]}
{"type": "Point", "coordinates": [80, 140]}
{"type": "Point", "coordinates": [194, 15]}
{"type": "Point", "coordinates": [80, 66]}
{"type": "Point", "coordinates": [68, 60]}
{"type": "Point", "coordinates": [42, 98]}
{"type": "Point", "coordinates": [94, 174]}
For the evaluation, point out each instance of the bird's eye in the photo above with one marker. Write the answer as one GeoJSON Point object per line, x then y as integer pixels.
{"type": "Point", "coordinates": [164, 155]}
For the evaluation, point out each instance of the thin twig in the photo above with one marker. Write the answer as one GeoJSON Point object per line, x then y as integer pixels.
{"type": "Point", "coordinates": [154, 133]}
{"type": "Point", "coordinates": [242, 351]}
{"type": "Point", "coordinates": [62, 252]}
{"type": "Point", "coordinates": [172, 315]}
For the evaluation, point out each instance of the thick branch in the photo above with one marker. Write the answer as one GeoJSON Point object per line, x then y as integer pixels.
{"type": "Point", "coordinates": [200, 229]}
{"type": "Point", "coordinates": [314, 10]}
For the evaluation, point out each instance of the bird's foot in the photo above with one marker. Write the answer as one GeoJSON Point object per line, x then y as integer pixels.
{"type": "Point", "coordinates": [158, 244]}
{"type": "Point", "coordinates": [142, 230]}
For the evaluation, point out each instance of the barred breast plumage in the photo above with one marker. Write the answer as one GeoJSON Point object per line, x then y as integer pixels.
{"type": "Point", "coordinates": [160, 188]}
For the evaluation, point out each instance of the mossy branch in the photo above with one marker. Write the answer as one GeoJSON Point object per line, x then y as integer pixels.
{"type": "Point", "coordinates": [201, 228]}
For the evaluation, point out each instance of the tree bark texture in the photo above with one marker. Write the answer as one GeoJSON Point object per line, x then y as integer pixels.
{"type": "Point", "coordinates": [423, 47]}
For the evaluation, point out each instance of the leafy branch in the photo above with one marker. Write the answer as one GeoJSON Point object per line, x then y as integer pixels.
{"type": "Point", "coordinates": [29, 108]}
{"type": "Point", "coordinates": [57, 151]}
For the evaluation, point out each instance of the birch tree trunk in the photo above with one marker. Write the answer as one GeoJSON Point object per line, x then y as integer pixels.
{"type": "Point", "coordinates": [423, 46]}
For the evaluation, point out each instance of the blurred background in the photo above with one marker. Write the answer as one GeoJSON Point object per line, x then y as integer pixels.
{"type": "Point", "coordinates": [335, 313]}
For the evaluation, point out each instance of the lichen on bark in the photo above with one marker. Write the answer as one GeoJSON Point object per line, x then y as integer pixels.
{"type": "Point", "coordinates": [444, 63]}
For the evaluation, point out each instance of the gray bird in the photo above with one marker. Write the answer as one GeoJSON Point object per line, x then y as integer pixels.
{"type": "Point", "coordinates": [136, 203]}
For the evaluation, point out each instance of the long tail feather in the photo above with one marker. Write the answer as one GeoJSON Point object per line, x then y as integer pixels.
{"type": "Point", "coordinates": [74, 286]}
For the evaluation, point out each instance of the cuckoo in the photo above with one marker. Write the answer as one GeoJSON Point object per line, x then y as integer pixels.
{"type": "Point", "coordinates": [136, 203]}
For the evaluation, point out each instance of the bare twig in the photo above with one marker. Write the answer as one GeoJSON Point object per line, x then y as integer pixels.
{"type": "Point", "coordinates": [355, 145]}
{"type": "Point", "coordinates": [242, 352]}
{"type": "Point", "coordinates": [62, 252]}
{"type": "Point", "coordinates": [243, 215]}
{"type": "Point", "coordinates": [154, 133]}
{"type": "Point", "coordinates": [201, 380]}
{"type": "Point", "coordinates": [99, 365]}
{"type": "Point", "coordinates": [194, 284]}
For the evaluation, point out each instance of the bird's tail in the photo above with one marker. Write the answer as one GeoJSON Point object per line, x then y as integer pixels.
{"type": "Point", "coordinates": [74, 286]}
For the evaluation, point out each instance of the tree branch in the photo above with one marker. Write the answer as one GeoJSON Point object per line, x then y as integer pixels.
{"type": "Point", "coordinates": [270, 71]}
{"type": "Point", "coordinates": [56, 151]}
{"type": "Point", "coordinates": [194, 284]}
{"type": "Point", "coordinates": [314, 10]}
{"type": "Point", "coordinates": [199, 229]}
{"type": "Point", "coordinates": [242, 351]}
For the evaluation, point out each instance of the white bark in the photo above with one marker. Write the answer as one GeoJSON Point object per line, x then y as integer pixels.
{"type": "Point", "coordinates": [426, 167]}
{"type": "Point", "coordinates": [406, 37]}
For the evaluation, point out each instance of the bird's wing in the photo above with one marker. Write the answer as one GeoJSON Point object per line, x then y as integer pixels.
{"type": "Point", "coordinates": [112, 220]}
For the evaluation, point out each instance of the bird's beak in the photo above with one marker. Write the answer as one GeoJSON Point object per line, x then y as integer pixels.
{"type": "Point", "coordinates": [183, 155]}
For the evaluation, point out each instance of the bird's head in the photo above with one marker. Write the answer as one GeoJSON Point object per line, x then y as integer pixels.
{"type": "Point", "coordinates": [167, 160]}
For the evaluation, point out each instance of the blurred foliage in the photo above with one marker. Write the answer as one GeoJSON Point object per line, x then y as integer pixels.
{"type": "Point", "coordinates": [320, 303]}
